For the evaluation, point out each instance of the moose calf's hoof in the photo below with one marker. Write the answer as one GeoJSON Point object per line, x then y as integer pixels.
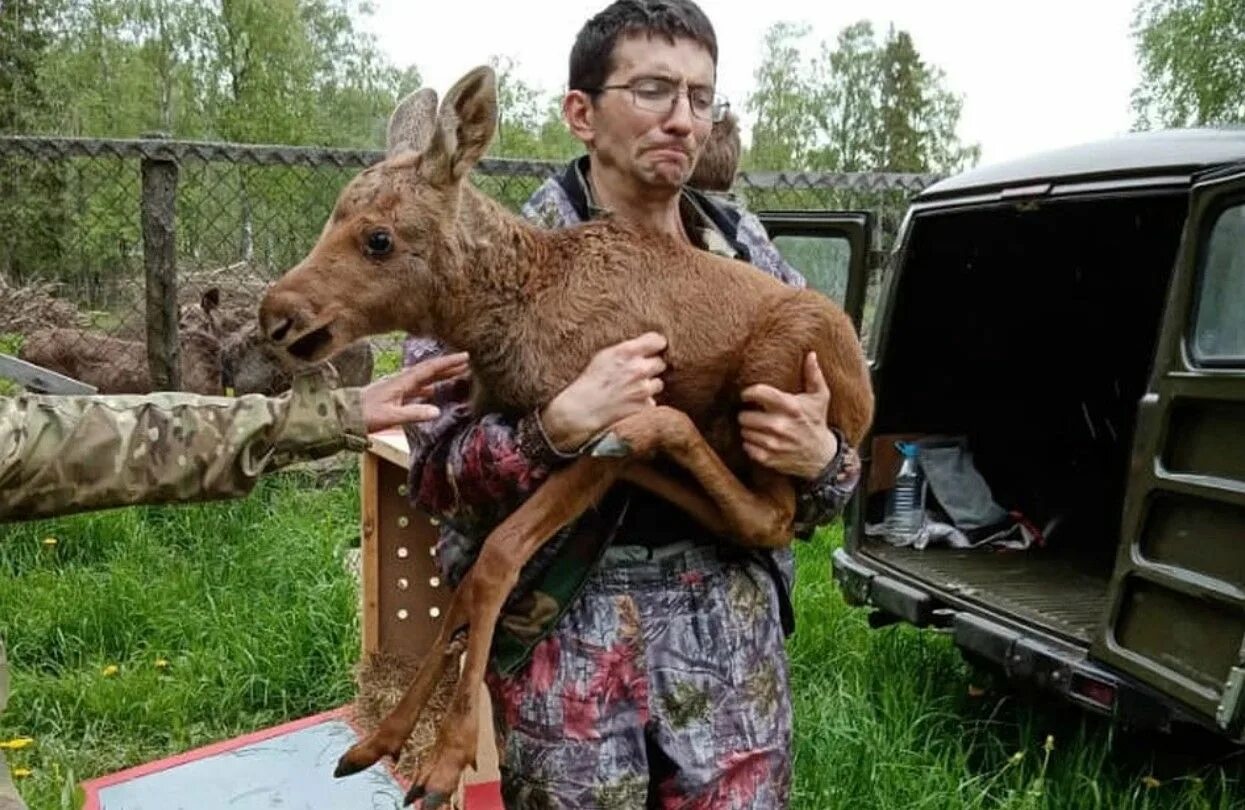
{"type": "Point", "coordinates": [355, 760]}
{"type": "Point", "coordinates": [432, 799]}
{"type": "Point", "coordinates": [346, 768]}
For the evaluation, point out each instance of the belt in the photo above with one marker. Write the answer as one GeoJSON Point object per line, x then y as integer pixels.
{"type": "Point", "coordinates": [625, 553]}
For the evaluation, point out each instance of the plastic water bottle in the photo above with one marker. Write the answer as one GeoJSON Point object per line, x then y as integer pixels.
{"type": "Point", "coordinates": [905, 508]}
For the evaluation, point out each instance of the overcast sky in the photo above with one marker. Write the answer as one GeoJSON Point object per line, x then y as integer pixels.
{"type": "Point", "coordinates": [1032, 75]}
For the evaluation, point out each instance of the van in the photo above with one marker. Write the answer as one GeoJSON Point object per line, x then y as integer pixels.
{"type": "Point", "coordinates": [1063, 338]}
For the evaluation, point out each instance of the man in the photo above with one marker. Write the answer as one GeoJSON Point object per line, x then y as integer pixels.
{"type": "Point", "coordinates": [640, 661]}
{"type": "Point", "coordinates": [60, 455]}
{"type": "Point", "coordinates": [719, 160]}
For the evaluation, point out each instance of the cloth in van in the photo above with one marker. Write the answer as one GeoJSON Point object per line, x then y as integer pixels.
{"type": "Point", "coordinates": [964, 513]}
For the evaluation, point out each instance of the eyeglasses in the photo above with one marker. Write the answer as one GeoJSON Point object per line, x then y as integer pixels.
{"type": "Point", "coordinates": [660, 95]}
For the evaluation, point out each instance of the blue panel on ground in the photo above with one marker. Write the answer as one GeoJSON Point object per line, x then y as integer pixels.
{"type": "Point", "coordinates": [291, 772]}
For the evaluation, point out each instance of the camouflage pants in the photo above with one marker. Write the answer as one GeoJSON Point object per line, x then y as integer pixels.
{"type": "Point", "coordinates": [664, 686]}
{"type": "Point", "coordinates": [9, 800]}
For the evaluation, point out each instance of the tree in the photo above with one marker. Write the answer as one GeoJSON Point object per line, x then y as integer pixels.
{"type": "Point", "coordinates": [917, 116]}
{"type": "Point", "coordinates": [30, 191]}
{"type": "Point", "coordinates": [530, 122]}
{"type": "Point", "coordinates": [286, 71]}
{"type": "Point", "coordinates": [1192, 58]}
{"type": "Point", "coordinates": [846, 107]}
{"type": "Point", "coordinates": [859, 105]}
{"type": "Point", "coordinates": [24, 42]}
{"type": "Point", "coordinates": [783, 128]}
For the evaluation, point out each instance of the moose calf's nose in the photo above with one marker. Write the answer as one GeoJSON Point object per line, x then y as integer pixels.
{"type": "Point", "coordinates": [277, 332]}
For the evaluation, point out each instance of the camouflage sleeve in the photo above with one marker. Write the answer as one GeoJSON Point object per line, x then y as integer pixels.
{"type": "Point", "coordinates": [60, 455]}
{"type": "Point", "coordinates": [823, 499]}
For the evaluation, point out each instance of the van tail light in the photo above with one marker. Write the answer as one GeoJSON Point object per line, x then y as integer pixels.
{"type": "Point", "coordinates": [1098, 692]}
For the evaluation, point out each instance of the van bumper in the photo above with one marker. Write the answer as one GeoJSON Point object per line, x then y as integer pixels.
{"type": "Point", "coordinates": [1030, 661]}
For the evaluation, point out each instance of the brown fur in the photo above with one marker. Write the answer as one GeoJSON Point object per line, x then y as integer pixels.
{"type": "Point", "coordinates": [532, 307]}
{"type": "Point", "coordinates": [251, 364]}
{"type": "Point", "coordinates": [719, 158]}
{"type": "Point", "coordinates": [118, 366]}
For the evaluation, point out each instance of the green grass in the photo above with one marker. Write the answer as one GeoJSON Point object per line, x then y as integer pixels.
{"type": "Point", "coordinates": [886, 718]}
{"type": "Point", "coordinates": [10, 344]}
{"type": "Point", "coordinates": [250, 604]}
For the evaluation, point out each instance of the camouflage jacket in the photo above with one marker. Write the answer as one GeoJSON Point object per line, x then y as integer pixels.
{"type": "Point", "coordinates": [471, 471]}
{"type": "Point", "coordinates": [65, 454]}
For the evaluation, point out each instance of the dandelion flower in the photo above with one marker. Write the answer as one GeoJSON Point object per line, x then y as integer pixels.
{"type": "Point", "coordinates": [1150, 782]}
{"type": "Point", "coordinates": [22, 773]}
{"type": "Point", "coordinates": [50, 541]}
{"type": "Point", "coordinates": [1050, 743]}
{"type": "Point", "coordinates": [110, 670]}
{"type": "Point", "coordinates": [1017, 757]}
{"type": "Point", "coordinates": [162, 663]}
{"type": "Point", "coordinates": [16, 744]}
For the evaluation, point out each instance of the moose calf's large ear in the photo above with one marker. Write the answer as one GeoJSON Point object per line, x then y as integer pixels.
{"type": "Point", "coordinates": [465, 126]}
{"type": "Point", "coordinates": [412, 122]}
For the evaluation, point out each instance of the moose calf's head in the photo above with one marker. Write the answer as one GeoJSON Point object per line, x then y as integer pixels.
{"type": "Point", "coordinates": [386, 251]}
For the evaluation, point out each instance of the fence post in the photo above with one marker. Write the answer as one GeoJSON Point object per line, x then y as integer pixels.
{"type": "Point", "coordinates": [159, 203]}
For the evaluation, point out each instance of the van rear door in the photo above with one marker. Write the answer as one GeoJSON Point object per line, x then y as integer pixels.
{"type": "Point", "coordinates": [1176, 615]}
{"type": "Point", "coordinates": [830, 249]}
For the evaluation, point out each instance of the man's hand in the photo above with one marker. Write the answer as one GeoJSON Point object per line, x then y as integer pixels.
{"type": "Point", "coordinates": [618, 381]}
{"type": "Point", "coordinates": [391, 401]}
{"type": "Point", "coordinates": [789, 432]}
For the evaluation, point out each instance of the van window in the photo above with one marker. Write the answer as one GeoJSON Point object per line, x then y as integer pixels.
{"type": "Point", "coordinates": [1219, 328]}
{"type": "Point", "coordinates": [825, 262]}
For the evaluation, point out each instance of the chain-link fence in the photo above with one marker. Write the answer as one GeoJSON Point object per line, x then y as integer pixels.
{"type": "Point", "coordinates": [109, 248]}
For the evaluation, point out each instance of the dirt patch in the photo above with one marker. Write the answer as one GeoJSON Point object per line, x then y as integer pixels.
{"type": "Point", "coordinates": [34, 306]}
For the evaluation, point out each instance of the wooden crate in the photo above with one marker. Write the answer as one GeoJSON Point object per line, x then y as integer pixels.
{"type": "Point", "coordinates": [403, 596]}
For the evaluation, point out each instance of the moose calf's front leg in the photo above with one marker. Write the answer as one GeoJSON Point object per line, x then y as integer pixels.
{"type": "Point", "coordinates": [395, 729]}
{"type": "Point", "coordinates": [761, 518]}
{"type": "Point", "coordinates": [564, 496]}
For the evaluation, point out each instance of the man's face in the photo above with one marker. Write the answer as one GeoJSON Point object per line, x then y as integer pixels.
{"type": "Point", "coordinates": [656, 149]}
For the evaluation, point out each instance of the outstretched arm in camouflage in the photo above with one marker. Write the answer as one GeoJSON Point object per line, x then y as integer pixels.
{"type": "Point", "coordinates": [60, 455]}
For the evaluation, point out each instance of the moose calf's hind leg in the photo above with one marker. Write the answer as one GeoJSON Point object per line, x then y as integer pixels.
{"type": "Point", "coordinates": [395, 729]}
{"type": "Point", "coordinates": [455, 749]}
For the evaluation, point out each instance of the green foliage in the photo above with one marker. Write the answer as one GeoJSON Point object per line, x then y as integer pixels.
{"type": "Point", "coordinates": [530, 124]}
{"type": "Point", "coordinates": [286, 71]}
{"type": "Point", "coordinates": [294, 72]}
{"type": "Point", "coordinates": [1192, 58]}
{"type": "Point", "coordinates": [135, 587]}
{"type": "Point", "coordinates": [10, 344]}
{"type": "Point", "coordinates": [862, 104]}
{"type": "Point", "coordinates": [24, 43]}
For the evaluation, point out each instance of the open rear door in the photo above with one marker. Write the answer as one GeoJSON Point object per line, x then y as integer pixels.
{"type": "Point", "coordinates": [1176, 616]}
{"type": "Point", "coordinates": [830, 249]}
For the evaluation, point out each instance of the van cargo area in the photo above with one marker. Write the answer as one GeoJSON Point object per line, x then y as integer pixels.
{"type": "Point", "coordinates": [1029, 329]}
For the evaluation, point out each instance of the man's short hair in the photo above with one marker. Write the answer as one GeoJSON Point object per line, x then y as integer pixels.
{"type": "Point", "coordinates": [719, 159]}
{"type": "Point", "coordinates": [592, 55]}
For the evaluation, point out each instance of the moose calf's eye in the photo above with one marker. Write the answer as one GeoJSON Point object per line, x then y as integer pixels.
{"type": "Point", "coordinates": [379, 243]}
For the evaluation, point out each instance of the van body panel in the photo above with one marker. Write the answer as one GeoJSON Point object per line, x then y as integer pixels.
{"type": "Point", "coordinates": [1176, 615]}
